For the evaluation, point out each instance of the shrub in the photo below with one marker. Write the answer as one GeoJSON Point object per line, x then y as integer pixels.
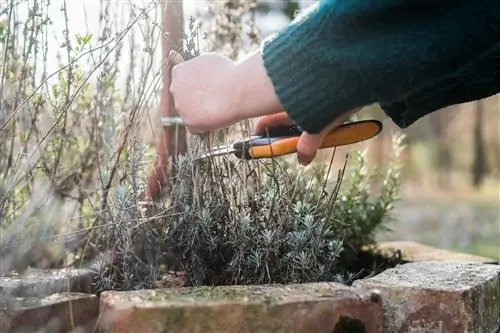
{"type": "Point", "coordinates": [238, 222]}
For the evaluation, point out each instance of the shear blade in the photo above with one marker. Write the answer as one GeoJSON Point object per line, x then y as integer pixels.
{"type": "Point", "coordinates": [217, 152]}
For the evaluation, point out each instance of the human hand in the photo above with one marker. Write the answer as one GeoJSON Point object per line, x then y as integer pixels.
{"type": "Point", "coordinates": [201, 92]}
{"type": "Point", "coordinates": [308, 144]}
{"type": "Point", "coordinates": [211, 91]}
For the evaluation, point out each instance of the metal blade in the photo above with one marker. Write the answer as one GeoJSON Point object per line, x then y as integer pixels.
{"type": "Point", "coordinates": [217, 152]}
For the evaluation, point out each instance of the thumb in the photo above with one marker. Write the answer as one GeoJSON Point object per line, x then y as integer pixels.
{"type": "Point", "coordinates": [308, 145]}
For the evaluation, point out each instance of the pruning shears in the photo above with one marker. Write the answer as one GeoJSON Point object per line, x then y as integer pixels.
{"type": "Point", "coordinates": [280, 141]}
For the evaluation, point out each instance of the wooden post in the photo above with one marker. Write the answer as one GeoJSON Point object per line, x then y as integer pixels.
{"type": "Point", "coordinates": [172, 140]}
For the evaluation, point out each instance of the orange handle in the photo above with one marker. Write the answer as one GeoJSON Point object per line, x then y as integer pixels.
{"type": "Point", "coordinates": [342, 135]}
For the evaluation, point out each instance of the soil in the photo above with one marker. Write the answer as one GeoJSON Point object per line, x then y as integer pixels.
{"type": "Point", "coordinates": [366, 263]}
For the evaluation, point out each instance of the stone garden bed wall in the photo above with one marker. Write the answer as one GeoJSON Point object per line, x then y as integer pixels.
{"type": "Point", "coordinates": [434, 291]}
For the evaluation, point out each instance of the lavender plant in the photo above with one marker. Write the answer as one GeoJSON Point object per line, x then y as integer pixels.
{"type": "Point", "coordinates": [237, 222]}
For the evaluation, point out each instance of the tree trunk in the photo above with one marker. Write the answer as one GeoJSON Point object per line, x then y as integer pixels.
{"type": "Point", "coordinates": [440, 120]}
{"type": "Point", "coordinates": [479, 163]}
{"type": "Point", "coordinates": [173, 139]}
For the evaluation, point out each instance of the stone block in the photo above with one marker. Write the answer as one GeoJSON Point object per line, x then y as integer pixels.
{"type": "Point", "coordinates": [40, 282]}
{"type": "Point", "coordinates": [414, 252]}
{"type": "Point", "coordinates": [57, 313]}
{"type": "Point", "coordinates": [439, 297]}
{"type": "Point", "coordinates": [305, 308]}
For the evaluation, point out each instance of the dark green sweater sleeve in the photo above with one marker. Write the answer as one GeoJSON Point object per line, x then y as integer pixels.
{"type": "Point", "coordinates": [478, 79]}
{"type": "Point", "coordinates": [343, 54]}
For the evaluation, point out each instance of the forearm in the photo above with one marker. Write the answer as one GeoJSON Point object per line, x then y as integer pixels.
{"type": "Point", "coordinates": [344, 54]}
{"type": "Point", "coordinates": [252, 88]}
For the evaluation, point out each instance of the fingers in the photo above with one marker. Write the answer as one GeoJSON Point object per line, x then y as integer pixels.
{"type": "Point", "coordinates": [309, 144]}
{"type": "Point", "coordinates": [175, 57]}
{"type": "Point", "coordinates": [273, 120]}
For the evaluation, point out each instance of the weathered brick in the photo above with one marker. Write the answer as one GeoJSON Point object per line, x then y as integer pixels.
{"type": "Point", "coordinates": [68, 312]}
{"type": "Point", "coordinates": [39, 283]}
{"type": "Point", "coordinates": [414, 252]}
{"type": "Point", "coordinates": [439, 297]}
{"type": "Point", "coordinates": [316, 307]}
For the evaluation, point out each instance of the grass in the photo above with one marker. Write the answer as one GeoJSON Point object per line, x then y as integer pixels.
{"type": "Point", "coordinates": [490, 249]}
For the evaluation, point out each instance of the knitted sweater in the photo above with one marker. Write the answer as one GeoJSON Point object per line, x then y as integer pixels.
{"type": "Point", "coordinates": [412, 57]}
